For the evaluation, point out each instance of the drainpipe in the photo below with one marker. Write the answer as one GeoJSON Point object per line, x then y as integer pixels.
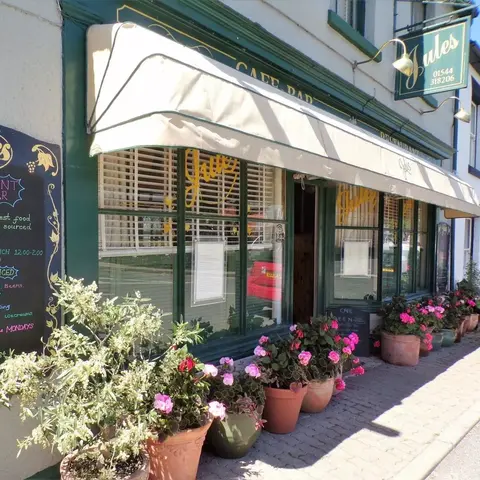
{"type": "Point", "coordinates": [454, 168]}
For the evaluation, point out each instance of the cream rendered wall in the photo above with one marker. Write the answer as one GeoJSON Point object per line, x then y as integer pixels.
{"type": "Point", "coordinates": [303, 25]}
{"type": "Point", "coordinates": [462, 170]}
{"type": "Point", "coordinates": [31, 102]}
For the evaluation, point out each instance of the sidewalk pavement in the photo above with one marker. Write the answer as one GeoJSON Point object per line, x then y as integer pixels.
{"type": "Point", "coordinates": [391, 423]}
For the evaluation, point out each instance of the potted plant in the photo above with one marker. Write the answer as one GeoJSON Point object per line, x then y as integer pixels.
{"type": "Point", "coordinates": [178, 410]}
{"type": "Point", "coordinates": [451, 320]}
{"type": "Point", "coordinates": [401, 333]}
{"type": "Point", "coordinates": [283, 373]}
{"type": "Point", "coordinates": [244, 398]}
{"type": "Point", "coordinates": [318, 338]}
{"type": "Point", "coordinates": [86, 388]}
{"type": "Point", "coordinates": [375, 340]}
{"type": "Point", "coordinates": [430, 316]}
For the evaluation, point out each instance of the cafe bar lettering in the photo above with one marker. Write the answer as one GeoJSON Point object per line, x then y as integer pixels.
{"type": "Point", "coordinates": [30, 232]}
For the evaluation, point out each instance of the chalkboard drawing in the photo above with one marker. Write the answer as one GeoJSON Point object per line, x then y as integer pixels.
{"type": "Point", "coordinates": [6, 152]}
{"type": "Point", "coordinates": [45, 158]}
{"type": "Point", "coordinates": [8, 273]}
{"type": "Point", "coordinates": [10, 190]}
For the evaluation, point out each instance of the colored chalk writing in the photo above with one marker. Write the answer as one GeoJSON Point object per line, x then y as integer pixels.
{"type": "Point", "coordinates": [30, 236]}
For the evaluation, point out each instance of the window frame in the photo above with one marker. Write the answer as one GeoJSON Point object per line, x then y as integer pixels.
{"type": "Point", "coordinates": [472, 161]}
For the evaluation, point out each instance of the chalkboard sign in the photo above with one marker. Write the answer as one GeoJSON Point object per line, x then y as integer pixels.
{"type": "Point", "coordinates": [351, 319]}
{"type": "Point", "coordinates": [30, 236]}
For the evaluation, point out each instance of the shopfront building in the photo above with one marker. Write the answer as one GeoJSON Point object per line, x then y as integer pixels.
{"type": "Point", "coordinates": [228, 189]}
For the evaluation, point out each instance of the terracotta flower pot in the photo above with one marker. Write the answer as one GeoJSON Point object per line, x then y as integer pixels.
{"type": "Point", "coordinates": [448, 337]}
{"type": "Point", "coordinates": [463, 325]}
{"type": "Point", "coordinates": [141, 474]}
{"type": "Point", "coordinates": [401, 350]}
{"type": "Point", "coordinates": [282, 408]}
{"type": "Point", "coordinates": [318, 396]}
{"type": "Point", "coordinates": [234, 436]}
{"type": "Point", "coordinates": [473, 322]}
{"type": "Point", "coordinates": [178, 456]}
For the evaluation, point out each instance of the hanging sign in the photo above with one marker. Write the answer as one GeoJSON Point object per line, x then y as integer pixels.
{"type": "Point", "coordinates": [30, 239]}
{"type": "Point", "coordinates": [440, 59]}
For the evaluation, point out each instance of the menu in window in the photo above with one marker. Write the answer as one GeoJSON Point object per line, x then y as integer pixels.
{"type": "Point", "coordinates": [30, 236]}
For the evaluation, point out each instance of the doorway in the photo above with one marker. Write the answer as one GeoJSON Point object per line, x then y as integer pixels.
{"type": "Point", "coordinates": [304, 257]}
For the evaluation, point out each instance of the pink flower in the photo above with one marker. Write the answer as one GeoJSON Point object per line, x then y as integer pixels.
{"type": "Point", "coordinates": [440, 309]}
{"type": "Point", "coordinates": [429, 337]}
{"type": "Point", "coordinates": [347, 350]}
{"type": "Point", "coordinates": [354, 338]}
{"type": "Point", "coordinates": [347, 341]}
{"type": "Point", "coordinates": [252, 370]}
{"type": "Point", "coordinates": [358, 370]}
{"type": "Point", "coordinates": [424, 311]}
{"type": "Point", "coordinates": [325, 327]}
{"type": "Point", "coordinates": [430, 309]}
{"type": "Point", "coordinates": [304, 358]}
{"type": "Point", "coordinates": [210, 370]}
{"type": "Point", "coordinates": [260, 351]}
{"type": "Point", "coordinates": [376, 344]}
{"type": "Point", "coordinates": [334, 357]}
{"type": "Point", "coordinates": [263, 339]}
{"type": "Point", "coordinates": [217, 409]}
{"type": "Point", "coordinates": [356, 361]}
{"type": "Point", "coordinates": [339, 384]}
{"type": "Point", "coordinates": [228, 379]}
{"type": "Point", "coordinates": [163, 403]}
{"type": "Point", "coordinates": [406, 318]}
{"type": "Point", "coordinates": [293, 328]}
{"type": "Point", "coordinates": [226, 361]}
{"type": "Point", "coordinates": [423, 328]}
{"type": "Point", "coordinates": [334, 324]}
{"type": "Point", "coordinates": [438, 315]}
{"type": "Point", "coordinates": [429, 347]}
{"type": "Point", "coordinates": [337, 338]}
{"type": "Point", "coordinates": [471, 303]}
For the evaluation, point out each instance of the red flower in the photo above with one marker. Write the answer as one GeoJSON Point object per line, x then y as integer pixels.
{"type": "Point", "coordinates": [295, 345]}
{"type": "Point", "coordinates": [377, 344]}
{"type": "Point", "coordinates": [299, 333]}
{"type": "Point", "coordinates": [337, 338]}
{"type": "Point", "coordinates": [186, 364]}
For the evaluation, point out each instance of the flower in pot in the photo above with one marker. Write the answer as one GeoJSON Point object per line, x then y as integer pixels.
{"type": "Point", "coordinates": [178, 411]}
{"type": "Point", "coordinates": [430, 315]}
{"type": "Point", "coordinates": [318, 338]}
{"type": "Point", "coordinates": [244, 398]}
{"type": "Point", "coordinates": [451, 320]}
{"type": "Point", "coordinates": [401, 332]}
{"type": "Point", "coordinates": [281, 366]}
{"type": "Point", "coordinates": [85, 390]}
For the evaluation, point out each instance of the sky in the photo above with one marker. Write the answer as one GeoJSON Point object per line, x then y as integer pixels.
{"type": "Point", "coordinates": [475, 31]}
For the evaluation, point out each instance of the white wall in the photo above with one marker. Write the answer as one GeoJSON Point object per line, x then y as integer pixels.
{"type": "Point", "coordinates": [303, 25]}
{"type": "Point", "coordinates": [31, 102]}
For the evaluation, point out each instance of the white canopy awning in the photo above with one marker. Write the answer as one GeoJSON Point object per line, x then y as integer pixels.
{"type": "Point", "coordinates": [147, 90]}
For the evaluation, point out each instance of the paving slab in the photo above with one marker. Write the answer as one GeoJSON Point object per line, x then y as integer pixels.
{"type": "Point", "coordinates": [393, 423]}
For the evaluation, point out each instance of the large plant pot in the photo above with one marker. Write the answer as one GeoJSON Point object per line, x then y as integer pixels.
{"type": "Point", "coordinates": [403, 350]}
{"type": "Point", "coordinates": [234, 436]}
{"type": "Point", "coordinates": [448, 337]}
{"type": "Point", "coordinates": [177, 457]}
{"type": "Point", "coordinates": [463, 325]}
{"type": "Point", "coordinates": [437, 341]}
{"type": "Point", "coordinates": [141, 474]}
{"type": "Point", "coordinates": [473, 322]}
{"type": "Point", "coordinates": [282, 408]}
{"type": "Point", "coordinates": [318, 396]}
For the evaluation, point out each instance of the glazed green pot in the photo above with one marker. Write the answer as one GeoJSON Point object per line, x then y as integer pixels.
{"type": "Point", "coordinates": [437, 341]}
{"type": "Point", "coordinates": [234, 436]}
{"type": "Point", "coordinates": [448, 337]}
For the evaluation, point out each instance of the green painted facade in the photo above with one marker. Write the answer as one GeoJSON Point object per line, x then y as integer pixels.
{"type": "Point", "coordinates": [221, 33]}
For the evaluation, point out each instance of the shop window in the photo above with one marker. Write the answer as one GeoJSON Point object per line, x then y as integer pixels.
{"type": "Point", "coordinates": [139, 249]}
{"type": "Point", "coordinates": [422, 250]}
{"type": "Point", "coordinates": [137, 225]}
{"type": "Point", "coordinates": [356, 243]}
{"type": "Point", "coordinates": [407, 247]}
{"type": "Point", "coordinates": [391, 209]}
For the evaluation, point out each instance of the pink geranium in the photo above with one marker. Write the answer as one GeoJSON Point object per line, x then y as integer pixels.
{"type": "Point", "coordinates": [340, 384]}
{"type": "Point", "coordinates": [325, 327]}
{"type": "Point", "coordinates": [347, 341]}
{"type": "Point", "coordinates": [334, 357]}
{"type": "Point", "coordinates": [337, 338]}
{"type": "Point", "coordinates": [263, 339]}
{"type": "Point", "coordinates": [423, 328]}
{"type": "Point", "coordinates": [163, 403]}
{"type": "Point", "coordinates": [260, 351]}
{"type": "Point", "coordinates": [406, 318]}
{"type": "Point", "coordinates": [226, 361]}
{"type": "Point", "coordinates": [293, 328]}
{"type": "Point", "coordinates": [471, 303]}
{"type": "Point", "coordinates": [358, 370]}
{"type": "Point", "coordinates": [376, 344]}
{"type": "Point", "coordinates": [356, 361]}
{"type": "Point", "coordinates": [210, 370]}
{"type": "Point", "coordinates": [347, 350]}
{"type": "Point", "coordinates": [252, 370]}
{"type": "Point", "coordinates": [354, 338]}
{"type": "Point", "coordinates": [228, 379]}
{"type": "Point", "coordinates": [335, 324]}
{"type": "Point", "coordinates": [217, 409]}
{"type": "Point", "coordinates": [304, 358]}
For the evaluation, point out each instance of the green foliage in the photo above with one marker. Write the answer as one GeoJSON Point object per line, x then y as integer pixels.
{"type": "Point", "coordinates": [280, 367]}
{"type": "Point", "coordinates": [470, 285]}
{"type": "Point", "coordinates": [396, 310]}
{"type": "Point", "coordinates": [89, 386]}
{"type": "Point", "coordinates": [245, 396]}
